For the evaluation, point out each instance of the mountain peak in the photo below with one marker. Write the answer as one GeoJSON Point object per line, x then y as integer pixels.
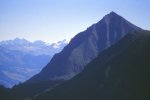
{"type": "Point", "coordinates": [84, 47]}
{"type": "Point", "coordinates": [112, 15]}
{"type": "Point", "coordinates": [20, 39]}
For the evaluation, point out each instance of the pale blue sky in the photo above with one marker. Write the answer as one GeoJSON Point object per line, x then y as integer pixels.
{"type": "Point", "coordinates": [54, 20]}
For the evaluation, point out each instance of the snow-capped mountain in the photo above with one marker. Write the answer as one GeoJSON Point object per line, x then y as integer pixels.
{"type": "Point", "coordinates": [20, 59]}
{"type": "Point", "coordinates": [35, 48]}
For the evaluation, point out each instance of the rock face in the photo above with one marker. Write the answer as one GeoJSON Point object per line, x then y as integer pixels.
{"type": "Point", "coordinates": [84, 47]}
{"type": "Point", "coordinates": [119, 73]}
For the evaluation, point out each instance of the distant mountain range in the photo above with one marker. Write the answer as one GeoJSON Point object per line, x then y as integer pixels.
{"type": "Point", "coordinates": [107, 61]}
{"type": "Point", "coordinates": [34, 48]}
{"type": "Point", "coordinates": [81, 50]}
{"type": "Point", "coordinates": [20, 59]}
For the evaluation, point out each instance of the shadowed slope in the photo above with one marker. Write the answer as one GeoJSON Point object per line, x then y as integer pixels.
{"type": "Point", "coordinates": [84, 47]}
{"type": "Point", "coordinates": [81, 50]}
{"type": "Point", "coordinates": [121, 72]}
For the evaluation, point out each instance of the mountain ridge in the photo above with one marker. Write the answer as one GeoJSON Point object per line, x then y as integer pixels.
{"type": "Point", "coordinates": [20, 59]}
{"type": "Point", "coordinates": [119, 72]}
{"type": "Point", "coordinates": [80, 51]}
{"type": "Point", "coordinates": [84, 47]}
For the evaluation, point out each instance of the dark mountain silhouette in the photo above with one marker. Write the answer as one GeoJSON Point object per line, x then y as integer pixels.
{"type": "Point", "coordinates": [5, 93]}
{"type": "Point", "coordinates": [22, 91]}
{"type": "Point", "coordinates": [81, 50]}
{"type": "Point", "coordinates": [84, 47]}
{"type": "Point", "coordinates": [121, 72]}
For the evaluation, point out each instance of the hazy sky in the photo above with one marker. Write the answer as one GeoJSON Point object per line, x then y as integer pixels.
{"type": "Point", "coordinates": [54, 20]}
